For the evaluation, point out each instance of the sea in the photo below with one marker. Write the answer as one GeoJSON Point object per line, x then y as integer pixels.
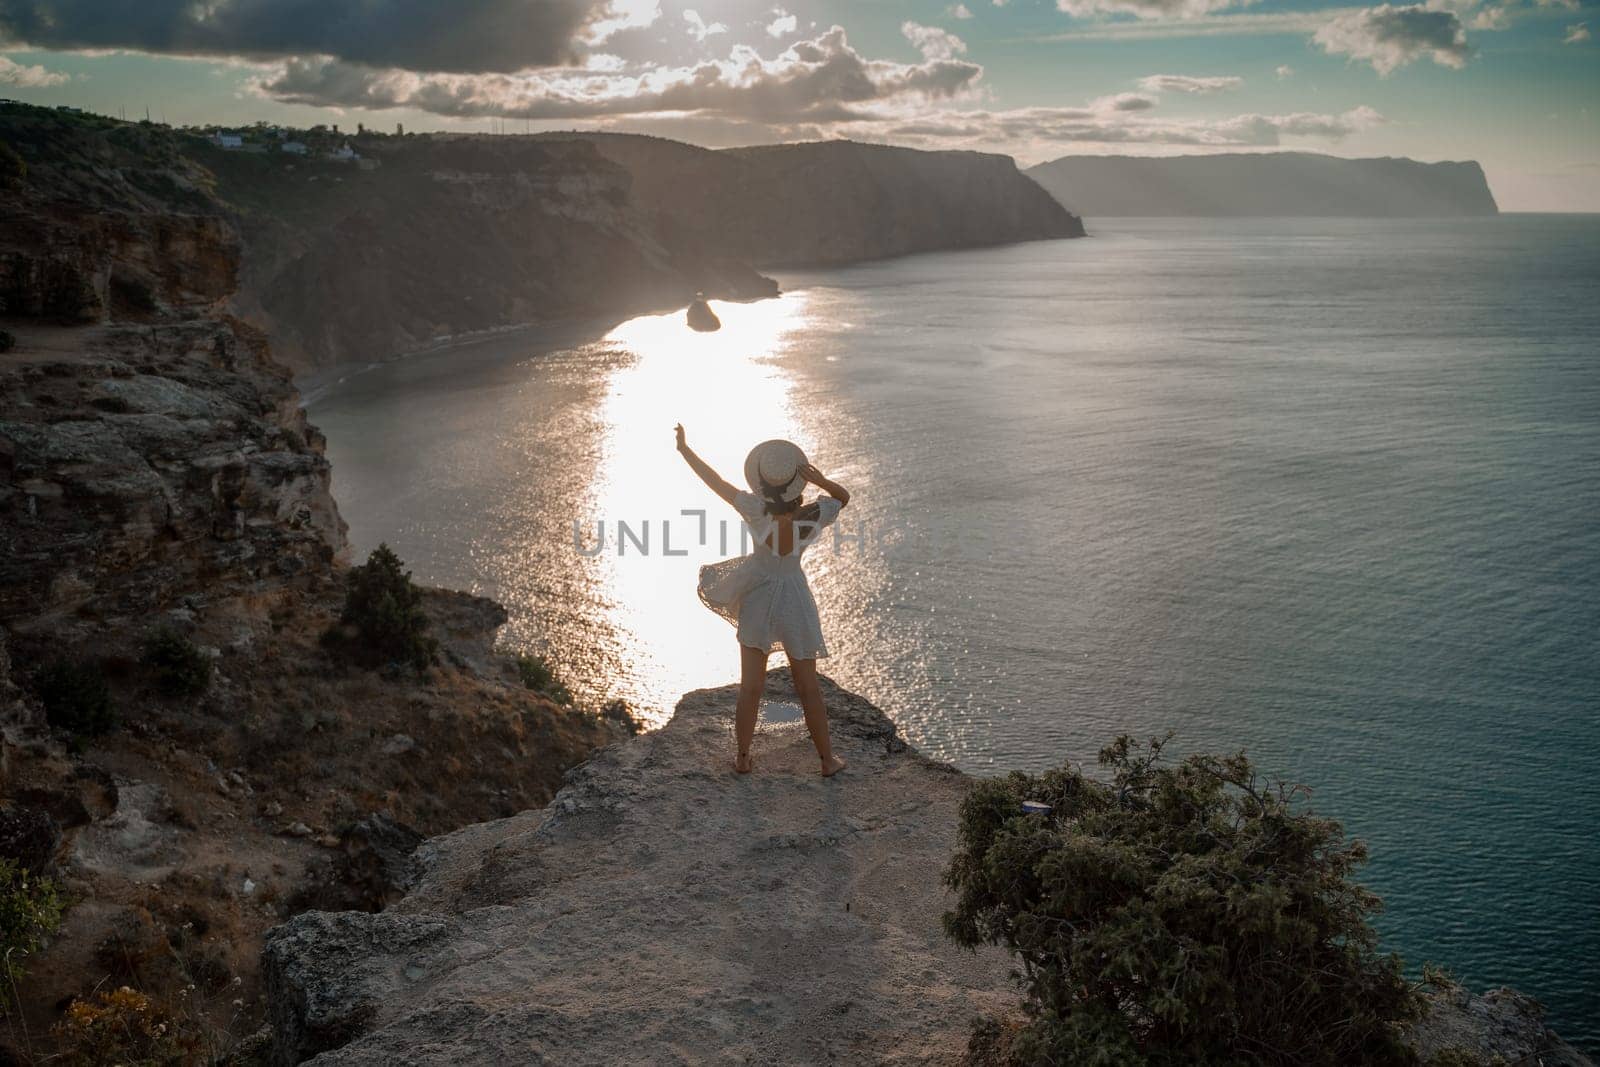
{"type": "Point", "coordinates": [1325, 491]}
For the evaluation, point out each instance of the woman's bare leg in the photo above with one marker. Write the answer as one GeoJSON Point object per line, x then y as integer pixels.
{"type": "Point", "coordinates": [810, 694]}
{"type": "Point", "coordinates": [752, 680]}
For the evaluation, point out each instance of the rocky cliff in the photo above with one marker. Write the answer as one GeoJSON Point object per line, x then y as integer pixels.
{"type": "Point", "coordinates": [150, 448]}
{"type": "Point", "coordinates": [159, 485]}
{"type": "Point", "coordinates": [436, 236]}
{"type": "Point", "coordinates": [663, 909]}
{"type": "Point", "coordinates": [450, 236]}
{"type": "Point", "coordinates": [1267, 184]}
{"type": "Point", "coordinates": [828, 203]}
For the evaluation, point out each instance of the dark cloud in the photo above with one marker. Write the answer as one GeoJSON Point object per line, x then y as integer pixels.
{"type": "Point", "coordinates": [820, 80]}
{"type": "Point", "coordinates": [459, 35]}
{"type": "Point", "coordinates": [1389, 37]}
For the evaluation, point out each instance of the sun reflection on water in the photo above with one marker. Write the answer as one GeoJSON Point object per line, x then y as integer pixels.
{"type": "Point", "coordinates": [729, 390]}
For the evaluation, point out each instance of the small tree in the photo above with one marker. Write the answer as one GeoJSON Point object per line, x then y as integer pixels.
{"type": "Point", "coordinates": [180, 668]}
{"type": "Point", "coordinates": [75, 697]}
{"type": "Point", "coordinates": [384, 608]}
{"type": "Point", "coordinates": [1181, 914]}
{"type": "Point", "coordinates": [537, 674]}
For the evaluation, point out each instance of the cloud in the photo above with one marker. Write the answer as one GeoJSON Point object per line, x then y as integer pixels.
{"type": "Point", "coordinates": [34, 77]}
{"type": "Point", "coordinates": [1034, 131]}
{"type": "Point", "coordinates": [1492, 17]}
{"type": "Point", "coordinates": [933, 42]}
{"type": "Point", "coordinates": [620, 15]}
{"type": "Point", "coordinates": [1565, 5]}
{"type": "Point", "coordinates": [465, 36]}
{"type": "Point", "coordinates": [1182, 83]}
{"type": "Point", "coordinates": [699, 28]}
{"type": "Point", "coordinates": [1123, 102]}
{"type": "Point", "coordinates": [959, 11]}
{"type": "Point", "coordinates": [1576, 34]}
{"type": "Point", "coordinates": [817, 80]}
{"type": "Point", "coordinates": [1147, 9]}
{"type": "Point", "coordinates": [1390, 36]}
{"type": "Point", "coordinates": [1284, 72]}
{"type": "Point", "coordinates": [782, 23]}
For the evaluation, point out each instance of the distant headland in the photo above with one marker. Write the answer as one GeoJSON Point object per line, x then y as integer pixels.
{"type": "Point", "coordinates": [1268, 184]}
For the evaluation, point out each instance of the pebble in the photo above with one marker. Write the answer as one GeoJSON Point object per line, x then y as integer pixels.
{"type": "Point", "coordinates": [297, 829]}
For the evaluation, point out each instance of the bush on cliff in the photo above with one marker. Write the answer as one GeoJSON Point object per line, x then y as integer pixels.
{"type": "Point", "coordinates": [76, 697]}
{"type": "Point", "coordinates": [180, 669]}
{"type": "Point", "coordinates": [1183, 913]}
{"type": "Point", "coordinates": [383, 621]}
{"type": "Point", "coordinates": [30, 911]}
{"type": "Point", "coordinates": [537, 674]}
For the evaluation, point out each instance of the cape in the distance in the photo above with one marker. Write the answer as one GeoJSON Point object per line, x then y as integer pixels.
{"type": "Point", "coordinates": [1270, 184]}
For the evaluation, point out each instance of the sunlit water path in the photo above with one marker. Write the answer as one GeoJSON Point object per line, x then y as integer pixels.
{"type": "Point", "coordinates": [1326, 490]}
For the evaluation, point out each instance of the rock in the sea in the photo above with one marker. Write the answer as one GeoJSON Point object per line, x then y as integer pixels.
{"type": "Point", "coordinates": [665, 903]}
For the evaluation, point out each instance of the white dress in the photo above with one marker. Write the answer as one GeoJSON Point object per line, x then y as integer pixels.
{"type": "Point", "coordinates": [765, 595]}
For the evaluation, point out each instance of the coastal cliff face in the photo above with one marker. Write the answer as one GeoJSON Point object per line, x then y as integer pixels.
{"type": "Point", "coordinates": [150, 449]}
{"type": "Point", "coordinates": [434, 237]}
{"type": "Point", "coordinates": [1274, 184]}
{"type": "Point", "coordinates": [448, 237]}
{"type": "Point", "coordinates": [829, 203]}
{"type": "Point", "coordinates": [158, 477]}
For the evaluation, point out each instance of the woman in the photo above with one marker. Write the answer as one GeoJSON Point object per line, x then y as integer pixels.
{"type": "Point", "coordinates": [765, 593]}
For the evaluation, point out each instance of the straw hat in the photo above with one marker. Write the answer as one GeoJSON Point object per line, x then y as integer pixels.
{"type": "Point", "coordinates": [772, 470]}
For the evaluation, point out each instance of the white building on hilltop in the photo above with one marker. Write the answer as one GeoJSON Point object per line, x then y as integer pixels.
{"type": "Point", "coordinates": [294, 148]}
{"type": "Point", "coordinates": [344, 153]}
{"type": "Point", "coordinates": [227, 140]}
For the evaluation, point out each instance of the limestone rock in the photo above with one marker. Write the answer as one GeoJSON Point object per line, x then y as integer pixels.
{"type": "Point", "coordinates": [662, 902]}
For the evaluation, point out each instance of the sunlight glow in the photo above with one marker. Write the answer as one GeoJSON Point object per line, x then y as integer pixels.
{"type": "Point", "coordinates": [729, 391]}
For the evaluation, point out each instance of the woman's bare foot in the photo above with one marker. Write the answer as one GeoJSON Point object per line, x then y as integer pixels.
{"type": "Point", "coordinates": [744, 763]}
{"type": "Point", "coordinates": [832, 766]}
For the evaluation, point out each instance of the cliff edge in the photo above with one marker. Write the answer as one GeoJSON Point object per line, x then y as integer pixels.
{"type": "Point", "coordinates": [661, 909]}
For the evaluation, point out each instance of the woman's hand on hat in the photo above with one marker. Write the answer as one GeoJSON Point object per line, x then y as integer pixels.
{"type": "Point", "coordinates": [678, 432]}
{"type": "Point", "coordinates": [811, 474]}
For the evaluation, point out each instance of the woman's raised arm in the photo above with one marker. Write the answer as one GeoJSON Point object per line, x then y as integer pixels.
{"type": "Point", "coordinates": [717, 483]}
{"type": "Point", "coordinates": [821, 481]}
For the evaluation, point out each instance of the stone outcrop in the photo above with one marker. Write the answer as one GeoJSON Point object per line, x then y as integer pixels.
{"type": "Point", "coordinates": [140, 464]}
{"type": "Point", "coordinates": [662, 908]}
{"type": "Point", "coordinates": [1501, 1026]}
{"type": "Point", "coordinates": [1264, 184]}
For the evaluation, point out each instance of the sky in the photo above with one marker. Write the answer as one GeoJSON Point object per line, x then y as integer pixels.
{"type": "Point", "coordinates": [1513, 84]}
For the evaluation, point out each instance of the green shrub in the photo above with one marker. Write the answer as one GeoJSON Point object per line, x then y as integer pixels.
{"type": "Point", "coordinates": [1181, 914]}
{"type": "Point", "coordinates": [537, 674]}
{"type": "Point", "coordinates": [30, 911]}
{"type": "Point", "coordinates": [180, 669]}
{"type": "Point", "coordinates": [384, 617]}
{"type": "Point", "coordinates": [75, 697]}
